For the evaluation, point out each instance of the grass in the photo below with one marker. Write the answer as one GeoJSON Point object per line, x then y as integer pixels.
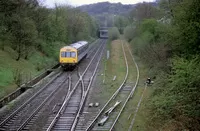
{"type": "Point", "coordinates": [115, 66]}
{"type": "Point", "coordinates": [110, 68]}
{"type": "Point", "coordinates": [142, 114]}
{"type": "Point", "coordinates": [128, 114]}
{"type": "Point", "coordinates": [27, 68]}
{"type": "Point", "coordinates": [125, 118]}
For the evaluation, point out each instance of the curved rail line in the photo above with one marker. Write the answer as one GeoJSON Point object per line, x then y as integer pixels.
{"type": "Point", "coordinates": [12, 117]}
{"type": "Point", "coordinates": [33, 117]}
{"type": "Point", "coordinates": [114, 96]}
{"type": "Point", "coordinates": [67, 99]}
{"type": "Point", "coordinates": [86, 93]}
{"type": "Point", "coordinates": [111, 98]}
{"type": "Point", "coordinates": [28, 122]}
{"type": "Point", "coordinates": [133, 90]}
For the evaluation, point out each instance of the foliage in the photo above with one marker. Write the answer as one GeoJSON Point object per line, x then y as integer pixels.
{"type": "Point", "coordinates": [129, 32]}
{"type": "Point", "coordinates": [26, 25]}
{"type": "Point", "coordinates": [148, 44]}
{"type": "Point", "coordinates": [186, 18]}
{"type": "Point", "coordinates": [145, 11]}
{"type": "Point", "coordinates": [179, 99]}
{"type": "Point", "coordinates": [113, 33]}
{"type": "Point", "coordinates": [171, 50]}
{"type": "Point", "coordinates": [17, 76]}
{"type": "Point", "coordinates": [106, 7]}
{"type": "Point", "coordinates": [120, 22]}
{"type": "Point", "coordinates": [27, 28]}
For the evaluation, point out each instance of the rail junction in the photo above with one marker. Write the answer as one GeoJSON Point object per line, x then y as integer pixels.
{"type": "Point", "coordinates": [63, 99]}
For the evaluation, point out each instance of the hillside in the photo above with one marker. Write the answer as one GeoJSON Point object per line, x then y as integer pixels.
{"type": "Point", "coordinates": [106, 7]}
{"type": "Point", "coordinates": [110, 8]}
{"type": "Point", "coordinates": [106, 13]}
{"type": "Point", "coordinates": [12, 72]}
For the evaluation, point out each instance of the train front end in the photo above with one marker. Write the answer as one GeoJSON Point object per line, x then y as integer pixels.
{"type": "Point", "coordinates": [68, 57]}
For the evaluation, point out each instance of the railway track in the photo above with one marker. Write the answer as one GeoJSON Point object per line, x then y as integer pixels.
{"type": "Point", "coordinates": [32, 105]}
{"type": "Point", "coordinates": [24, 117]}
{"type": "Point", "coordinates": [68, 115]}
{"type": "Point", "coordinates": [57, 100]}
{"type": "Point", "coordinates": [108, 114]}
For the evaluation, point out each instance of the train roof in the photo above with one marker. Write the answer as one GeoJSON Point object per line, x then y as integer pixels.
{"type": "Point", "coordinates": [76, 45]}
{"type": "Point", "coordinates": [79, 44]}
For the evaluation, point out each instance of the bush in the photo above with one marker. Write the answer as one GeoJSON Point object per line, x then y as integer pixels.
{"type": "Point", "coordinates": [113, 33]}
{"type": "Point", "coordinates": [179, 99]}
{"type": "Point", "coordinates": [129, 32]}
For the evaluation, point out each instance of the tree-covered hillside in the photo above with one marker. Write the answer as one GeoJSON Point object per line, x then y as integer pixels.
{"type": "Point", "coordinates": [106, 13]}
{"type": "Point", "coordinates": [106, 7]}
{"type": "Point", "coordinates": [27, 28]}
{"type": "Point", "coordinates": [166, 38]}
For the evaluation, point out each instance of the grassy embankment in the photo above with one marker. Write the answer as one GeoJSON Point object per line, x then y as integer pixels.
{"type": "Point", "coordinates": [142, 114]}
{"type": "Point", "coordinates": [115, 66]}
{"type": "Point", "coordinates": [10, 68]}
{"type": "Point", "coordinates": [111, 68]}
{"type": "Point", "coordinates": [37, 63]}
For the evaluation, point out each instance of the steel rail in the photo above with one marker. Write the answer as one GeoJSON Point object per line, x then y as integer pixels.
{"type": "Point", "coordinates": [28, 101]}
{"type": "Point", "coordinates": [138, 71]}
{"type": "Point", "coordinates": [69, 96]}
{"type": "Point", "coordinates": [38, 108]}
{"type": "Point", "coordinates": [131, 93]}
{"type": "Point", "coordinates": [69, 84]}
{"type": "Point", "coordinates": [86, 93]}
{"type": "Point", "coordinates": [41, 105]}
{"type": "Point", "coordinates": [137, 108]}
{"type": "Point", "coordinates": [92, 48]}
{"type": "Point", "coordinates": [81, 103]}
{"type": "Point", "coordinates": [111, 98]}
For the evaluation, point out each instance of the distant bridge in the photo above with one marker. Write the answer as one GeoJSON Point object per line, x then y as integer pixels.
{"type": "Point", "coordinates": [103, 32]}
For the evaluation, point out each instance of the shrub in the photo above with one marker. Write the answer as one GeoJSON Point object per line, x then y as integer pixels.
{"type": "Point", "coordinates": [113, 33]}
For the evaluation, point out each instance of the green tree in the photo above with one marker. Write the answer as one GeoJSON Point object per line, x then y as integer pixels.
{"type": "Point", "coordinates": [129, 33]}
{"type": "Point", "coordinates": [145, 11]}
{"type": "Point", "coordinates": [113, 33]}
{"type": "Point", "coordinates": [120, 22]}
{"type": "Point", "coordinates": [25, 34]}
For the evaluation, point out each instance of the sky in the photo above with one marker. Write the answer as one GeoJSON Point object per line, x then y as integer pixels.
{"type": "Point", "coordinates": [50, 3]}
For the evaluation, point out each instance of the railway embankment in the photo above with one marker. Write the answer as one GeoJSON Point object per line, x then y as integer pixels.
{"type": "Point", "coordinates": [17, 76]}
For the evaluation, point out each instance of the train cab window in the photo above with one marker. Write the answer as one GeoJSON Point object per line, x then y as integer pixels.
{"type": "Point", "coordinates": [62, 54]}
{"type": "Point", "coordinates": [73, 54]}
{"type": "Point", "coordinates": [67, 54]}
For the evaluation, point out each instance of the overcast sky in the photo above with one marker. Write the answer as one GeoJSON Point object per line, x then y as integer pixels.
{"type": "Point", "coordinates": [50, 3]}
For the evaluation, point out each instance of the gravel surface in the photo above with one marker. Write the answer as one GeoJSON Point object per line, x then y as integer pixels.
{"type": "Point", "coordinates": [89, 113]}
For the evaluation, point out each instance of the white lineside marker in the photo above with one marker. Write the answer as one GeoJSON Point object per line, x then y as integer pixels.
{"type": "Point", "coordinates": [114, 78]}
{"type": "Point", "coordinates": [108, 54]}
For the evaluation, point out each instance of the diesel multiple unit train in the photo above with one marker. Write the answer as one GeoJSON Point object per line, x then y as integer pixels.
{"type": "Point", "coordinates": [71, 55]}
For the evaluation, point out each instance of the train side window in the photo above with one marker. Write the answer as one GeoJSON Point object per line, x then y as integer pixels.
{"type": "Point", "coordinates": [73, 54]}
